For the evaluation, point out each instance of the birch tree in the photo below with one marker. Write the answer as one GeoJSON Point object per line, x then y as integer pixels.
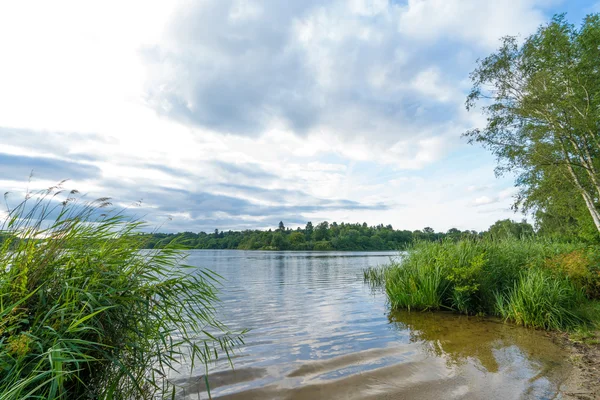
{"type": "Point", "coordinates": [542, 103]}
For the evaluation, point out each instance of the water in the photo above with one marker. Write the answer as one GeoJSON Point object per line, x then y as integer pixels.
{"type": "Point", "coordinates": [318, 332]}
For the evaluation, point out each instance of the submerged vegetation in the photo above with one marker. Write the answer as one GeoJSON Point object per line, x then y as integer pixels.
{"type": "Point", "coordinates": [537, 283]}
{"type": "Point", "coordinates": [85, 314]}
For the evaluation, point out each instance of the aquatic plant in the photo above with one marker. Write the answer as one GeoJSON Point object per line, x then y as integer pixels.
{"type": "Point", "coordinates": [85, 314]}
{"type": "Point", "coordinates": [542, 300]}
{"type": "Point", "coordinates": [376, 276]}
{"type": "Point", "coordinates": [535, 282]}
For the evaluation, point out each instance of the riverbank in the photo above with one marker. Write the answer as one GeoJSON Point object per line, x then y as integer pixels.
{"type": "Point", "coordinates": [537, 283]}
{"type": "Point", "coordinates": [583, 383]}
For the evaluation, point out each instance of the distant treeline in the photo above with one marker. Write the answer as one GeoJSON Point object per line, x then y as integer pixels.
{"type": "Point", "coordinates": [323, 236]}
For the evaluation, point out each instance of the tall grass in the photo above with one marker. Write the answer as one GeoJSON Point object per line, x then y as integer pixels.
{"type": "Point", "coordinates": [375, 276]}
{"type": "Point", "coordinates": [85, 314]}
{"type": "Point", "coordinates": [541, 300]}
{"type": "Point", "coordinates": [534, 282]}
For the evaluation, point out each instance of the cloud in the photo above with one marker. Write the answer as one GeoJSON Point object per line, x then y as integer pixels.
{"type": "Point", "coordinates": [475, 21]}
{"type": "Point", "coordinates": [13, 167]}
{"type": "Point", "coordinates": [244, 170]}
{"type": "Point", "coordinates": [34, 142]}
{"type": "Point", "coordinates": [331, 71]}
{"type": "Point", "coordinates": [502, 196]}
{"type": "Point", "coordinates": [484, 200]}
{"type": "Point", "coordinates": [239, 113]}
{"type": "Point", "coordinates": [206, 210]}
{"type": "Point", "coordinates": [478, 188]}
{"type": "Point", "coordinates": [342, 71]}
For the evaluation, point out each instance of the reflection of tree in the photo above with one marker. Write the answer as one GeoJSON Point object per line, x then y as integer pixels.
{"type": "Point", "coordinates": [458, 338]}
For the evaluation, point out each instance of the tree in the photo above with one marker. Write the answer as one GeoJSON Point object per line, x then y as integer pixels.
{"type": "Point", "coordinates": [507, 228]}
{"type": "Point", "coordinates": [281, 227]}
{"type": "Point", "coordinates": [454, 234]}
{"type": "Point", "coordinates": [308, 231]}
{"type": "Point", "coordinates": [322, 231]}
{"type": "Point", "coordinates": [542, 102]}
{"type": "Point", "coordinates": [279, 241]}
{"type": "Point", "coordinates": [296, 239]}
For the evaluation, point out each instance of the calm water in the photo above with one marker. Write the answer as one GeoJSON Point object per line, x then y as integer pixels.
{"type": "Point", "coordinates": [318, 332]}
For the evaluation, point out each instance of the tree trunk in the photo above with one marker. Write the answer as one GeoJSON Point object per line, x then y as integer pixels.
{"type": "Point", "coordinates": [589, 202]}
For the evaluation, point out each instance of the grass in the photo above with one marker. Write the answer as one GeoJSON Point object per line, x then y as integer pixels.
{"type": "Point", "coordinates": [85, 314]}
{"type": "Point", "coordinates": [375, 276]}
{"type": "Point", "coordinates": [532, 282]}
{"type": "Point", "coordinates": [541, 300]}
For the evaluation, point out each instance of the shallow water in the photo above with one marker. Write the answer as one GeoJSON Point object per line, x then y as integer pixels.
{"type": "Point", "coordinates": [318, 332]}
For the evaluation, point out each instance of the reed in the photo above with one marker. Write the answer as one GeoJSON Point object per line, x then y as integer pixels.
{"type": "Point", "coordinates": [534, 282]}
{"type": "Point", "coordinates": [541, 300]}
{"type": "Point", "coordinates": [85, 314]}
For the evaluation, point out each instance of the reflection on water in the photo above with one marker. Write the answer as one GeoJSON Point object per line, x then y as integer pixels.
{"type": "Point", "coordinates": [319, 332]}
{"type": "Point", "coordinates": [460, 338]}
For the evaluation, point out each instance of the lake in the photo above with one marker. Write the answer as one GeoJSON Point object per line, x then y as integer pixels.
{"type": "Point", "coordinates": [319, 332]}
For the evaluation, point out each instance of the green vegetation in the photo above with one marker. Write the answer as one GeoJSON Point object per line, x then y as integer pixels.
{"type": "Point", "coordinates": [85, 314]}
{"type": "Point", "coordinates": [324, 236]}
{"type": "Point", "coordinates": [538, 283]}
{"type": "Point", "coordinates": [542, 102]}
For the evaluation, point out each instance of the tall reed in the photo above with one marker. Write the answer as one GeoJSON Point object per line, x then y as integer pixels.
{"type": "Point", "coordinates": [533, 281]}
{"type": "Point", "coordinates": [85, 314]}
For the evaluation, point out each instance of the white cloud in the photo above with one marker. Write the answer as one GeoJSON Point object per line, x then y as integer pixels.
{"type": "Point", "coordinates": [305, 104]}
{"type": "Point", "coordinates": [484, 200]}
{"type": "Point", "coordinates": [480, 22]}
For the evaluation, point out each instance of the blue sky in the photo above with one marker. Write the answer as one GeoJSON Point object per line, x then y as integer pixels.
{"type": "Point", "coordinates": [236, 114]}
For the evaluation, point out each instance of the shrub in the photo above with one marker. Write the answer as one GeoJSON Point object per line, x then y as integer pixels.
{"type": "Point", "coordinates": [85, 314]}
{"type": "Point", "coordinates": [582, 267]}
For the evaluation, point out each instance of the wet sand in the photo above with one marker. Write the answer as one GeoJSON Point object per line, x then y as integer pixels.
{"type": "Point", "coordinates": [584, 381]}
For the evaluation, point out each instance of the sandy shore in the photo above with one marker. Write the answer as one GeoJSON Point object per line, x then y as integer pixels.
{"type": "Point", "coordinates": [583, 383]}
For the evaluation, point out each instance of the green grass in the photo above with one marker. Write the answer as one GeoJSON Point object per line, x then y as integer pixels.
{"type": "Point", "coordinates": [375, 276]}
{"type": "Point", "coordinates": [541, 300]}
{"type": "Point", "coordinates": [533, 282]}
{"type": "Point", "coordinates": [85, 314]}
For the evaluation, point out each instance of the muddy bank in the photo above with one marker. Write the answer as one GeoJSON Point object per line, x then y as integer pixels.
{"type": "Point", "coordinates": [583, 383]}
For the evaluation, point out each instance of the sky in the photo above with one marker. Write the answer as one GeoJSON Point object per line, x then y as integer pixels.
{"type": "Point", "coordinates": [236, 114]}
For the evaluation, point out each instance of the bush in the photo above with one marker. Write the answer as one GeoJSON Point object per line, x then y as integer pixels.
{"type": "Point", "coordinates": [582, 267]}
{"type": "Point", "coordinates": [84, 314]}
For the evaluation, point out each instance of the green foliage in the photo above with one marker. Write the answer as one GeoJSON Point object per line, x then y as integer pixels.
{"type": "Point", "coordinates": [507, 228]}
{"type": "Point", "coordinates": [416, 285]}
{"type": "Point", "coordinates": [465, 277]}
{"type": "Point", "coordinates": [376, 276]}
{"type": "Point", "coordinates": [334, 236]}
{"type": "Point", "coordinates": [540, 299]}
{"type": "Point", "coordinates": [582, 266]}
{"type": "Point", "coordinates": [541, 99]}
{"type": "Point", "coordinates": [85, 314]}
{"type": "Point", "coordinates": [535, 282]}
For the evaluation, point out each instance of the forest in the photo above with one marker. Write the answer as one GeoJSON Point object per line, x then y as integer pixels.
{"type": "Point", "coordinates": [326, 236]}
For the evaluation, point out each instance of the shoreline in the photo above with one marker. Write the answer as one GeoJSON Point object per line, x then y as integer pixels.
{"type": "Point", "coordinates": [583, 382]}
